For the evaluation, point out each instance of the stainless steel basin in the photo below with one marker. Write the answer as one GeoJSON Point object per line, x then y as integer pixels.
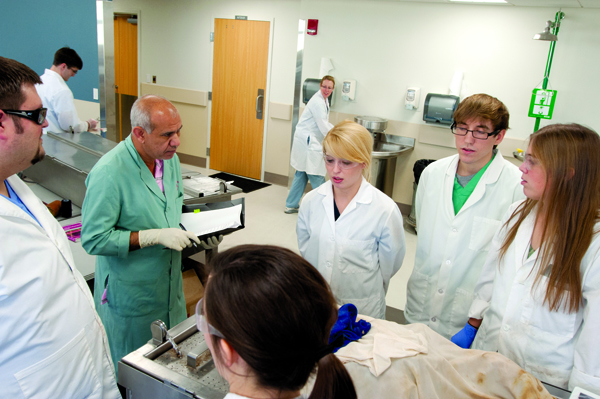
{"type": "Point", "coordinates": [387, 146]}
{"type": "Point", "coordinates": [386, 149]}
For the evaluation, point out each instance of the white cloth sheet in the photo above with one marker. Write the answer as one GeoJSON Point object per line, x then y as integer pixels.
{"type": "Point", "coordinates": [384, 342]}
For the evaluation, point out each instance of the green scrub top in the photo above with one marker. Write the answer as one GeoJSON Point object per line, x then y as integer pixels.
{"type": "Point", "coordinates": [461, 194]}
{"type": "Point", "coordinates": [144, 285]}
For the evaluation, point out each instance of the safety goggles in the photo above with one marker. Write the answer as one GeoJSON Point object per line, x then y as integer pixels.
{"type": "Point", "coordinates": [530, 162]}
{"type": "Point", "coordinates": [202, 323]}
{"type": "Point", "coordinates": [36, 115]}
{"type": "Point", "coordinates": [342, 163]}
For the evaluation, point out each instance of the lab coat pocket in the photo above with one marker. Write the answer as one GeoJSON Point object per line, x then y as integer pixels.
{"type": "Point", "coordinates": [314, 144]}
{"type": "Point", "coordinates": [482, 233]}
{"type": "Point", "coordinates": [559, 323]}
{"type": "Point", "coordinates": [67, 373]}
{"type": "Point", "coordinates": [137, 298]}
{"type": "Point", "coordinates": [460, 309]}
{"type": "Point", "coordinates": [417, 293]}
{"type": "Point", "coordinates": [356, 256]}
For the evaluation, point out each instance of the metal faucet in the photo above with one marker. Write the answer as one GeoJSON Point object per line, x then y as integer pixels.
{"type": "Point", "coordinates": [160, 333]}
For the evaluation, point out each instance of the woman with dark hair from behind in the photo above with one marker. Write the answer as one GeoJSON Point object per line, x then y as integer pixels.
{"type": "Point", "coordinates": [539, 292]}
{"type": "Point", "coordinates": [266, 316]}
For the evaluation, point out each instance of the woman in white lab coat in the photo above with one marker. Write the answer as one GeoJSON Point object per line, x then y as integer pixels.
{"type": "Point", "coordinates": [307, 151]}
{"type": "Point", "coordinates": [349, 230]}
{"type": "Point", "coordinates": [539, 292]}
{"type": "Point", "coordinates": [266, 317]}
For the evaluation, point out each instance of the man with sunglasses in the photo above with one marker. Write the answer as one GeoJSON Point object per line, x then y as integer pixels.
{"type": "Point", "coordinates": [52, 342]}
{"type": "Point", "coordinates": [459, 203]}
{"type": "Point", "coordinates": [58, 98]}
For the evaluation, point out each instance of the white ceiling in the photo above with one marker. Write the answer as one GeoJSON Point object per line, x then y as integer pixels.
{"type": "Point", "coordinates": [525, 3]}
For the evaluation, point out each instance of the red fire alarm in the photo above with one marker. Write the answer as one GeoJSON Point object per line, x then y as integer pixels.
{"type": "Point", "coordinates": [313, 24]}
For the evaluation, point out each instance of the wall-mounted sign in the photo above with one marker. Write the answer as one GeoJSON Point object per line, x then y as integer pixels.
{"type": "Point", "coordinates": [243, 17]}
{"type": "Point", "coordinates": [542, 103]}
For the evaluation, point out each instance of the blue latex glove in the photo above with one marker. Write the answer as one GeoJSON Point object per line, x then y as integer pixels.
{"type": "Point", "coordinates": [464, 338]}
{"type": "Point", "coordinates": [348, 327]}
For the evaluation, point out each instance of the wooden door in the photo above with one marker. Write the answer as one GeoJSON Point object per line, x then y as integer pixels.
{"type": "Point", "coordinates": [126, 72]}
{"type": "Point", "coordinates": [241, 51]}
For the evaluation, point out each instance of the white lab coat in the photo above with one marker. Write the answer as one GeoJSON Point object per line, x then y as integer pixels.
{"type": "Point", "coordinates": [559, 348]}
{"type": "Point", "coordinates": [52, 342]}
{"type": "Point", "coordinates": [360, 252]}
{"type": "Point", "coordinates": [314, 123]}
{"type": "Point", "coordinates": [451, 249]}
{"type": "Point", "coordinates": [58, 98]}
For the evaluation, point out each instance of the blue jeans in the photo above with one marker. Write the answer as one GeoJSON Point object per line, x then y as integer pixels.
{"type": "Point", "coordinates": [298, 186]}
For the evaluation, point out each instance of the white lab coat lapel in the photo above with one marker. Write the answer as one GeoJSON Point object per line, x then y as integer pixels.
{"type": "Point", "coordinates": [490, 176]}
{"type": "Point", "coordinates": [363, 196]}
{"type": "Point", "coordinates": [326, 190]}
{"type": "Point", "coordinates": [522, 243]}
{"type": "Point", "coordinates": [39, 210]}
{"type": "Point", "coordinates": [449, 187]}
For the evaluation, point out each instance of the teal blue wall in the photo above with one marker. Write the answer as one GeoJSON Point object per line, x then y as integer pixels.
{"type": "Point", "coordinates": [32, 30]}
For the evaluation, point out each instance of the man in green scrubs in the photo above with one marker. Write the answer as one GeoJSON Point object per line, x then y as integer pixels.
{"type": "Point", "coordinates": [130, 217]}
{"type": "Point", "coordinates": [459, 203]}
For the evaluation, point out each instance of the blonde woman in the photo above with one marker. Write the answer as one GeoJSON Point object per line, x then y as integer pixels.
{"type": "Point", "coordinates": [539, 292]}
{"type": "Point", "coordinates": [349, 230]}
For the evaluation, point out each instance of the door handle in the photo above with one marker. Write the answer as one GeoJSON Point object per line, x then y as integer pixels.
{"type": "Point", "coordinates": [260, 99]}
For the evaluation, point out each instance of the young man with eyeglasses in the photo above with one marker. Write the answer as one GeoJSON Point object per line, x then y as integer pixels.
{"type": "Point", "coordinates": [459, 203]}
{"type": "Point", "coordinates": [52, 342]}
{"type": "Point", "coordinates": [58, 98]}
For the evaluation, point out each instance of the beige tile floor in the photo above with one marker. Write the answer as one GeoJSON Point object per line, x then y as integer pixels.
{"type": "Point", "coordinates": [267, 224]}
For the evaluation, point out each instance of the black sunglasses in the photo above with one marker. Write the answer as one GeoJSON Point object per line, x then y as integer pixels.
{"type": "Point", "coordinates": [37, 115]}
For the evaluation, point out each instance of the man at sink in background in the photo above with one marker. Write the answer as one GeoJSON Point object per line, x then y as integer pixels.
{"type": "Point", "coordinates": [459, 203]}
{"type": "Point", "coordinates": [58, 98]}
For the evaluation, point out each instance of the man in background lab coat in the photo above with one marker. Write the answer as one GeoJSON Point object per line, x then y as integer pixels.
{"type": "Point", "coordinates": [52, 342]}
{"type": "Point", "coordinates": [459, 204]}
{"type": "Point", "coordinates": [130, 221]}
{"type": "Point", "coordinates": [58, 98]}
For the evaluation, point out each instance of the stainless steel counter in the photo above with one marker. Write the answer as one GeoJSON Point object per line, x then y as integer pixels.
{"type": "Point", "coordinates": [156, 371]}
{"type": "Point", "coordinates": [62, 173]}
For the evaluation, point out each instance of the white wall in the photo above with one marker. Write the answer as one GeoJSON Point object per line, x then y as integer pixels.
{"type": "Point", "coordinates": [389, 46]}
{"type": "Point", "coordinates": [176, 46]}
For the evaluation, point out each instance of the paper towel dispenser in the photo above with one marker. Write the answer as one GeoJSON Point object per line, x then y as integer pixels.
{"type": "Point", "coordinates": [439, 108]}
{"type": "Point", "coordinates": [310, 87]}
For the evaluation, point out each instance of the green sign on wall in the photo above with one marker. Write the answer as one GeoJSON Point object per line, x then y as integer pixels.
{"type": "Point", "coordinates": [542, 103]}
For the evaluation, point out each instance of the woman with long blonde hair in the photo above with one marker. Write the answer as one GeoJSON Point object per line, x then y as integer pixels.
{"type": "Point", "coordinates": [349, 230]}
{"type": "Point", "coordinates": [539, 293]}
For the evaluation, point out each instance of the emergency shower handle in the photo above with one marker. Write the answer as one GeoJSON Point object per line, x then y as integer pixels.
{"type": "Point", "coordinates": [260, 99]}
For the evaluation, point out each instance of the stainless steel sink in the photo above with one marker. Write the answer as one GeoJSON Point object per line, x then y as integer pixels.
{"type": "Point", "coordinates": [386, 146]}
{"type": "Point", "coordinates": [386, 149]}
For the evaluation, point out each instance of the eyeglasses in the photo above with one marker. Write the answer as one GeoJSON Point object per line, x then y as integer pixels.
{"type": "Point", "coordinates": [36, 115]}
{"type": "Point", "coordinates": [342, 163]}
{"type": "Point", "coordinates": [478, 134]}
{"type": "Point", "coordinates": [74, 70]}
{"type": "Point", "coordinates": [202, 323]}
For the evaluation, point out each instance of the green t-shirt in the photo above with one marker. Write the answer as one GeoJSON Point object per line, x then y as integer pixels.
{"type": "Point", "coordinates": [461, 194]}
